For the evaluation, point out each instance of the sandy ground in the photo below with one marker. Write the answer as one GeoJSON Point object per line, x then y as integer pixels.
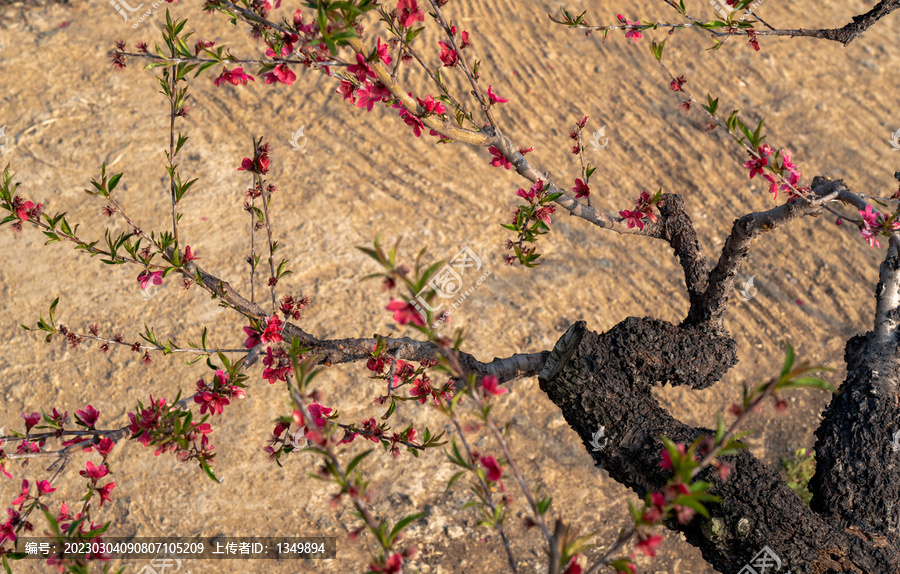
{"type": "Point", "coordinates": [66, 111]}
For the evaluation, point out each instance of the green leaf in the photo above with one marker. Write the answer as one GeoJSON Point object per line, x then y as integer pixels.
{"type": "Point", "coordinates": [356, 460]}
{"type": "Point", "coordinates": [657, 49]}
{"type": "Point", "coordinates": [788, 358]}
{"type": "Point", "coordinates": [403, 523]}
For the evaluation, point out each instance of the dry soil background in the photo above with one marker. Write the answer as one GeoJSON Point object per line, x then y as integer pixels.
{"type": "Point", "coordinates": [66, 111]}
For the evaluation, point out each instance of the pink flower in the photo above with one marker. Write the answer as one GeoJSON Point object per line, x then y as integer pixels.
{"type": "Point", "coordinates": [499, 159]}
{"type": "Point", "coordinates": [870, 217]}
{"type": "Point", "coordinates": [23, 209]}
{"type": "Point", "coordinates": [648, 545]}
{"type": "Point", "coordinates": [319, 413]}
{"type": "Point", "coordinates": [281, 73]}
{"type": "Point", "coordinates": [448, 55]}
{"type": "Point", "coordinates": [347, 88]}
{"type": "Point", "coordinates": [146, 278]}
{"type": "Point", "coordinates": [633, 34]}
{"type": "Point", "coordinates": [667, 459]}
{"type": "Point", "coordinates": [272, 332]}
{"type": "Point", "coordinates": [581, 189]}
{"type": "Point", "coordinates": [405, 313]}
{"type": "Point", "coordinates": [544, 213]}
{"type": "Point", "coordinates": [211, 402]}
{"type": "Point", "coordinates": [235, 76]}
{"type": "Point", "coordinates": [105, 492]}
{"type": "Point", "coordinates": [105, 446]}
{"type": "Point", "coordinates": [431, 106]}
{"type": "Point", "coordinates": [632, 218]}
{"type": "Point", "coordinates": [489, 384]}
{"type": "Point", "coordinates": [252, 337]}
{"type": "Point", "coordinates": [413, 122]}
{"type": "Point", "coordinates": [421, 388]}
{"type": "Point", "coordinates": [495, 99]}
{"type": "Point", "coordinates": [94, 472]}
{"type": "Point", "coordinates": [31, 420]}
{"type": "Point", "coordinates": [361, 69]}
{"type": "Point", "coordinates": [189, 255]}
{"type": "Point", "coordinates": [26, 493]}
{"type": "Point", "coordinates": [756, 165]}
{"type": "Point", "coordinates": [44, 487]}
{"type": "Point", "coordinates": [382, 50]}
{"type": "Point", "coordinates": [532, 193]}
{"type": "Point", "coordinates": [88, 415]}
{"type": "Point", "coordinates": [408, 13]}
{"type": "Point", "coordinates": [870, 236]}
{"type": "Point", "coordinates": [494, 472]}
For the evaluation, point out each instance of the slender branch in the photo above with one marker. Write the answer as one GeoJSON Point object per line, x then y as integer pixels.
{"type": "Point", "coordinates": [711, 307]}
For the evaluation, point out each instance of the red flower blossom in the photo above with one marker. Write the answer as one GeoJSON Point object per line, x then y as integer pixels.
{"type": "Point", "coordinates": [105, 492]}
{"type": "Point", "coordinates": [431, 106]}
{"type": "Point", "coordinates": [489, 384]}
{"type": "Point", "coordinates": [347, 88]}
{"type": "Point", "coordinates": [189, 255]}
{"type": "Point", "coordinates": [44, 487]}
{"type": "Point", "coordinates": [495, 99]}
{"type": "Point", "coordinates": [408, 13]}
{"type": "Point", "coordinates": [252, 337]}
{"type": "Point", "coordinates": [272, 332]}
{"type": "Point", "coordinates": [211, 402]}
{"type": "Point", "coordinates": [494, 472]}
{"type": "Point", "coordinates": [382, 50]}
{"type": "Point", "coordinates": [581, 189]}
{"type": "Point", "coordinates": [281, 73]}
{"type": "Point", "coordinates": [448, 55]}
{"type": "Point", "coordinates": [499, 159]}
{"type": "Point", "coordinates": [667, 459]}
{"type": "Point", "coordinates": [235, 76]}
{"type": "Point", "coordinates": [361, 69]}
{"type": "Point", "coordinates": [94, 472]}
{"type": "Point", "coordinates": [146, 278]}
{"type": "Point", "coordinates": [421, 388]}
{"type": "Point", "coordinates": [677, 83]}
{"type": "Point", "coordinates": [26, 493]}
{"type": "Point", "coordinates": [31, 420]}
{"type": "Point", "coordinates": [633, 34]}
{"type": "Point", "coordinates": [405, 313]}
{"type": "Point", "coordinates": [632, 218]}
{"type": "Point", "coordinates": [648, 545]}
{"type": "Point", "coordinates": [105, 446]}
{"type": "Point", "coordinates": [319, 413]}
{"type": "Point", "coordinates": [88, 415]}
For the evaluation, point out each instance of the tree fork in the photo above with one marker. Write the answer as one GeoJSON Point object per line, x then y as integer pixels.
{"type": "Point", "coordinates": [606, 380]}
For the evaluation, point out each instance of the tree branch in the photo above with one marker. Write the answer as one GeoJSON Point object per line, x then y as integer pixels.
{"type": "Point", "coordinates": [710, 309]}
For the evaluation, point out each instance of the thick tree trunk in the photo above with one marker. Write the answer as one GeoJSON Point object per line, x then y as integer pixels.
{"type": "Point", "coordinates": [606, 380]}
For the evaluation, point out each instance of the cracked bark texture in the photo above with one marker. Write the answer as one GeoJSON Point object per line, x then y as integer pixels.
{"type": "Point", "coordinates": [606, 380]}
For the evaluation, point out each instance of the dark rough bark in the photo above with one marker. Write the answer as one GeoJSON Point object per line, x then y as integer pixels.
{"type": "Point", "coordinates": [857, 476]}
{"type": "Point", "coordinates": [606, 380]}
